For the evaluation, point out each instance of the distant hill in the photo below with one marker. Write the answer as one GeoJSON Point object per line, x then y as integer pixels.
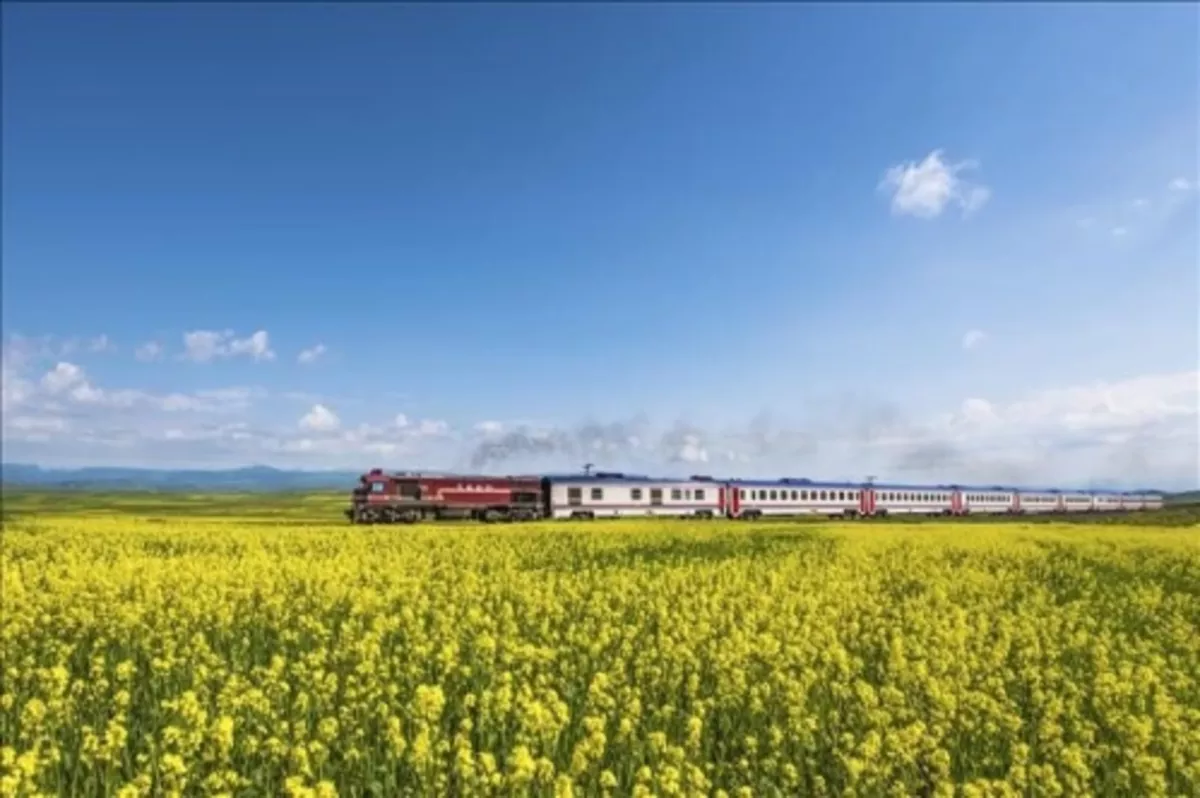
{"type": "Point", "coordinates": [1187, 497]}
{"type": "Point", "coordinates": [250, 478]}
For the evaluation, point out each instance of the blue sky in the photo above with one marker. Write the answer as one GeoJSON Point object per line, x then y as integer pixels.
{"type": "Point", "coordinates": [944, 241]}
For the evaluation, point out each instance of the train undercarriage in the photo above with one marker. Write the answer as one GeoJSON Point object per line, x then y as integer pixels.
{"type": "Point", "coordinates": [388, 514]}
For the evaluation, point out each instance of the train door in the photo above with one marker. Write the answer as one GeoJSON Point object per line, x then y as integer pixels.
{"type": "Point", "coordinates": [866, 501]}
{"type": "Point", "coordinates": [656, 497]}
{"type": "Point", "coordinates": [721, 500]}
{"type": "Point", "coordinates": [958, 504]}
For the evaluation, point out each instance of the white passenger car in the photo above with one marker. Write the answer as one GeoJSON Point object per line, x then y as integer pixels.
{"type": "Point", "coordinates": [783, 497]}
{"type": "Point", "coordinates": [890, 499]}
{"type": "Point", "coordinates": [612, 495]}
{"type": "Point", "coordinates": [1037, 501]}
{"type": "Point", "coordinates": [988, 500]}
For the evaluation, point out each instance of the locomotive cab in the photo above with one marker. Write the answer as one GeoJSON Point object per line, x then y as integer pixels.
{"type": "Point", "coordinates": [383, 497]}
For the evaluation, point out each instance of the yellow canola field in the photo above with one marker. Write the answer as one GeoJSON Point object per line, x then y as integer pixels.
{"type": "Point", "coordinates": [234, 657]}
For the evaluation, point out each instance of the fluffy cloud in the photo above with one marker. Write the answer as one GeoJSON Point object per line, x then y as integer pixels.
{"type": "Point", "coordinates": [432, 428]}
{"type": "Point", "coordinates": [203, 346]}
{"type": "Point", "coordinates": [925, 189]}
{"type": "Point", "coordinates": [312, 354]}
{"type": "Point", "coordinates": [1180, 184]}
{"type": "Point", "coordinates": [320, 419]}
{"type": "Point", "coordinates": [63, 377]}
{"type": "Point", "coordinates": [67, 388]}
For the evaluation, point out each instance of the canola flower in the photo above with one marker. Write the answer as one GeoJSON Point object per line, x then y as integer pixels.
{"type": "Point", "coordinates": [669, 658]}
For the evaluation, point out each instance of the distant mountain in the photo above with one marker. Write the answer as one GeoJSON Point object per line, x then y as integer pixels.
{"type": "Point", "coordinates": [1187, 497]}
{"type": "Point", "coordinates": [250, 478]}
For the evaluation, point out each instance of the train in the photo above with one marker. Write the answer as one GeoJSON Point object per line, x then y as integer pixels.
{"type": "Point", "coordinates": [402, 497]}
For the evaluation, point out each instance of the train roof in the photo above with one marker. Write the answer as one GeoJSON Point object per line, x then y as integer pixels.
{"type": "Point", "coordinates": [789, 482]}
{"type": "Point", "coordinates": [619, 476]}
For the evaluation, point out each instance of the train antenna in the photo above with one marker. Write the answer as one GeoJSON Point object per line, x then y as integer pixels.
{"type": "Point", "coordinates": [870, 479]}
{"type": "Point", "coordinates": [587, 469]}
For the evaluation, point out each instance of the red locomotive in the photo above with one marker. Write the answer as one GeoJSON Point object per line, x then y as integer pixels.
{"type": "Point", "coordinates": [408, 498]}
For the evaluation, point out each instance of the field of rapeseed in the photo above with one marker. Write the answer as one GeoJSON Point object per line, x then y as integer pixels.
{"type": "Point", "coordinates": [265, 654]}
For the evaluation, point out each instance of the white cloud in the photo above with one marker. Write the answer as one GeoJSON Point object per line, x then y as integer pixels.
{"type": "Point", "coordinates": [14, 390]}
{"type": "Point", "coordinates": [311, 354]}
{"type": "Point", "coordinates": [1118, 232]}
{"type": "Point", "coordinates": [44, 346]}
{"type": "Point", "coordinates": [37, 424]}
{"type": "Point", "coordinates": [151, 350]}
{"type": "Point", "coordinates": [1180, 184]}
{"type": "Point", "coordinates": [1141, 203]}
{"type": "Point", "coordinates": [973, 338]}
{"type": "Point", "coordinates": [203, 346]}
{"type": "Point", "coordinates": [1138, 430]}
{"type": "Point", "coordinates": [63, 377]}
{"type": "Point", "coordinates": [925, 189]}
{"type": "Point", "coordinates": [978, 411]}
{"type": "Point", "coordinates": [320, 419]}
{"type": "Point", "coordinates": [257, 346]}
{"type": "Point", "coordinates": [432, 428]}
{"type": "Point", "coordinates": [101, 343]}
{"type": "Point", "coordinates": [692, 450]}
{"type": "Point", "coordinates": [1127, 404]}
